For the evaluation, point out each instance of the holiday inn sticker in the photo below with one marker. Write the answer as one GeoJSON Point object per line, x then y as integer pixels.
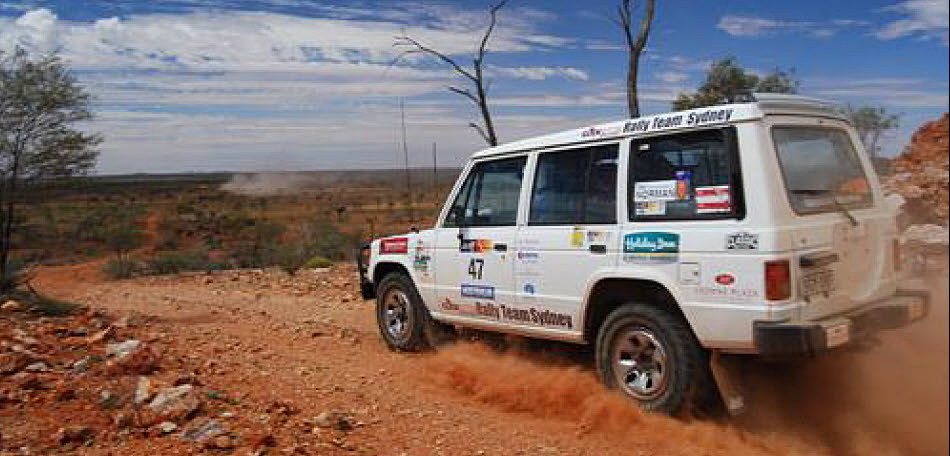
{"type": "Point", "coordinates": [651, 247]}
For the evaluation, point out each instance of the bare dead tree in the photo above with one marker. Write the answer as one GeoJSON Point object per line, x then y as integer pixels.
{"type": "Point", "coordinates": [477, 94]}
{"type": "Point", "coordinates": [635, 46]}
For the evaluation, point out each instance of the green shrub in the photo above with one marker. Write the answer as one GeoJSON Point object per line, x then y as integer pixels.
{"type": "Point", "coordinates": [175, 262]}
{"type": "Point", "coordinates": [122, 268]}
{"type": "Point", "coordinates": [318, 262]}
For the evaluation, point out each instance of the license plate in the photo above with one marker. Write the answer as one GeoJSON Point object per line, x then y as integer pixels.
{"type": "Point", "coordinates": [821, 281]}
{"type": "Point", "coordinates": [837, 334]}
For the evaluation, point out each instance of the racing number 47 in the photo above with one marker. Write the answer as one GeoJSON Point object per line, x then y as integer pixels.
{"type": "Point", "coordinates": [475, 268]}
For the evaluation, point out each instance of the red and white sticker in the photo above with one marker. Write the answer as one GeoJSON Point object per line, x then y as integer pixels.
{"type": "Point", "coordinates": [394, 245]}
{"type": "Point", "coordinates": [713, 200]}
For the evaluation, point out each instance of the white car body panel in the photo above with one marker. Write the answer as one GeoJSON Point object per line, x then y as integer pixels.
{"type": "Point", "coordinates": [546, 269]}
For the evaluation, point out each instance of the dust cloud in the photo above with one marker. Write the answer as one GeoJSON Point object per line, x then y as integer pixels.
{"type": "Point", "coordinates": [890, 400]}
{"type": "Point", "coordinates": [268, 184]}
{"type": "Point", "coordinates": [515, 383]}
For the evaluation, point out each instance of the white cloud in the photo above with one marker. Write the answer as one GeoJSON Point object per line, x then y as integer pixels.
{"type": "Point", "coordinates": [892, 92]}
{"type": "Point", "coordinates": [540, 73]}
{"type": "Point", "coordinates": [751, 27]}
{"type": "Point", "coordinates": [222, 38]}
{"type": "Point", "coordinates": [672, 76]}
{"type": "Point", "coordinates": [926, 19]}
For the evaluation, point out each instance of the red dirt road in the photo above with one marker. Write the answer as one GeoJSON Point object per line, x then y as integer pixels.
{"type": "Point", "coordinates": [312, 342]}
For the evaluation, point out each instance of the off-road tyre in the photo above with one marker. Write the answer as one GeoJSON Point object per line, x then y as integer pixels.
{"type": "Point", "coordinates": [688, 382]}
{"type": "Point", "coordinates": [417, 331]}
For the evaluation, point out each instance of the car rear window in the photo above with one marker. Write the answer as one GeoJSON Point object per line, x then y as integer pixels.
{"type": "Point", "coordinates": [821, 169]}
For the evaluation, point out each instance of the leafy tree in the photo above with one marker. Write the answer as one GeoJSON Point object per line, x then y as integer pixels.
{"type": "Point", "coordinates": [871, 123]}
{"type": "Point", "coordinates": [727, 81]}
{"type": "Point", "coordinates": [40, 102]}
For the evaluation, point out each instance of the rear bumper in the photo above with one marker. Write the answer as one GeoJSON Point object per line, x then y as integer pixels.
{"type": "Point", "coordinates": [778, 340]}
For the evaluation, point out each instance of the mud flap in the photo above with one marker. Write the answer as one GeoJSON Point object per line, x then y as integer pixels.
{"type": "Point", "coordinates": [725, 372]}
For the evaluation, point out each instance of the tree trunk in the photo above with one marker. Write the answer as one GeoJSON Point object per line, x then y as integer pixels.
{"type": "Point", "coordinates": [633, 106]}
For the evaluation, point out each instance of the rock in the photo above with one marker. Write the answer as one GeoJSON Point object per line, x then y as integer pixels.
{"type": "Point", "coordinates": [28, 381]}
{"type": "Point", "coordinates": [81, 365]}
{"type": "Point", "coordinates": [12, 306]}
{"type": "Point", "coordinates": [221, 442]}
{"type": "Point", "coordinates": [176, 403]}
{"type": "Point", "coordinates": [38, 366]}
{"type": "Point", "coordinates": [122, 420]}
{"type": "Point", "coordinates": [203, 431]}
{"type": "Point", "coordinates": [123, 349]}
{"type": "Point", "coordinates": [109, 399]}
{"type": "Point", "coordinates": [337, 421]}
{"type": "Point", "coordinates": [74, 434]}
{"type": "Point", "coordinates": [99, 336]}
{"type": "Point", "coordinates": [11, 363]}
{"type": "Point", "coordinates": [142, 392]}
{"type": "Point", "coordinates": [167, 427]}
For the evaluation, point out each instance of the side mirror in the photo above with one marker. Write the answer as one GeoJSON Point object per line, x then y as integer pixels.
{"type": "Point", "coordinates": [456, 216]}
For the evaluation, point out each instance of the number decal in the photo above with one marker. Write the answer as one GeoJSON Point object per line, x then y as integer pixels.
{"type": "Point", "coordinates": [475, 268]}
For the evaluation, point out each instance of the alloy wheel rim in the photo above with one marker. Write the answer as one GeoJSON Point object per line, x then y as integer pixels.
{"type": "Point", "coordinates": [396, 314]}
{"type": "Point", "coordinates": [639, 363]}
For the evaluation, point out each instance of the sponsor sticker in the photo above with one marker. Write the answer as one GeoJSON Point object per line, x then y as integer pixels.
{"type": "Point", "coordinates": [476, 245]}
{"type": "Point", "coordinates": [396, 245]}
{"type": "Point", "coordinates": [597, 237]}
{"type": "Point", "coordinates": [651, 208]}
{"type": "Point", "coordinates": [684, 185]}
{"type": "Point", "coordinates": [420, 259]}
{"type": "Point", "coordinates": [528, 288]}
{"type": "Point", "coordinates": [713, 200]}
{"type": "Point", "coordinates": [477, 291]}
{"type": "Point", "coordinates": [742, 241]}
{"type": "Point", "coordinates": [664, 190]}
{"type": "Point", "coordinates": [725, 279]}
{"type": "Point", "coordinates": [528, 256]}
{"type": "Point", "coordinates": [651, 247]}
{"type": "Point", "coordinates": [577, 237]}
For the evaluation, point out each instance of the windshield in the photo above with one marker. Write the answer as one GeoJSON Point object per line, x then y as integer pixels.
{"type": "Point", "coordinates": [821, 168]}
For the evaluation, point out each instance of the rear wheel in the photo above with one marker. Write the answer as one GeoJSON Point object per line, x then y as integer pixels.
{"type": "Point", "coordinates": [403, 320]}
{"type": "Point", "coordinates": [652, 357]}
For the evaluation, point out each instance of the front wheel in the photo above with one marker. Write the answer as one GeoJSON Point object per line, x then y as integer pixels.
{"type": "Point", "coordinates": [652, 357]}
{"type": "Point", "coordinates": [404, 322]}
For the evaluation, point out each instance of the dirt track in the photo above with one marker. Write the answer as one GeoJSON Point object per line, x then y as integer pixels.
{"type": "Point", "coordinates": [312, 342]}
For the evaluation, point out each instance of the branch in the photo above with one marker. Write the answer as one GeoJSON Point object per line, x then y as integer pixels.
{"type": "Point", "coordinates": [406, 40]}
{"type": "Point", "coordinates": [465, 93]}
{"type": "Point", "coordinates": [480, 131]}
{"type": "Point", "coordinates": [645, 24]}
{"type": "Point", "coordinates": [491, 28]}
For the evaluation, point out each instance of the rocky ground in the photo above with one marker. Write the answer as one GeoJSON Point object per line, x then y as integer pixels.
{"type": "Point", "coordinates": [254, 362]}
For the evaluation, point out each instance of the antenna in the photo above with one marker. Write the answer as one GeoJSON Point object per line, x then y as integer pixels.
{"type": "Point", "coordinates": [435, 171]}
{"type": "Point", "coordinates": [405, 151]}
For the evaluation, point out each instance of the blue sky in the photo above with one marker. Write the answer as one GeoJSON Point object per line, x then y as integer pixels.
{"type": "Point", "coordinates": [249, 85]}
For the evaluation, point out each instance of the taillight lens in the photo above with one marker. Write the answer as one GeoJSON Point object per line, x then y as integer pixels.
{"type": "Point", "coordinates": [394, 245]}
{"type": "Point", "coordinates": [778, 280]}
{"type": "Point", "coordinates": [896, 251]}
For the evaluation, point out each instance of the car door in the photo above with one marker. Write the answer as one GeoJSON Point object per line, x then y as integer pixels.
{"type": "Point", "coordinates": [473, 261]}
{"type": "Point", "coordinates": [570, 235]}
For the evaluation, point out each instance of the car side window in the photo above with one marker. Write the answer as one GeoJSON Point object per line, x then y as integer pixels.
{"type": "Point", "coordinates": [577, 186]}
{"type": "Point", "coordinates": [489, 196]}
{"type": "Point", "coordinates": [687, 176]}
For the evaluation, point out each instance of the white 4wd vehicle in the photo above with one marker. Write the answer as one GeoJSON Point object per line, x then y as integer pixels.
{"type": "Point", "coordinates": [753, 228]}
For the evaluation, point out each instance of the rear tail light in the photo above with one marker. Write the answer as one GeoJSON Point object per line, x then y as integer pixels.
{"type": "Point", "coordinates": [896, 251]}
{"type": "Point", "coordinates": [778, 280]}
{"type": "Point", "coordinates": [394, 245]}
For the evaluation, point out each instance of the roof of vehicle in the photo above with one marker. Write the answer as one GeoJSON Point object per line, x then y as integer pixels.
{"type": "Point", "coordinates": [760, 105]}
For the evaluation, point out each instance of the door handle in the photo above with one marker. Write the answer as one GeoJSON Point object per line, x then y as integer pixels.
{"type": "Point", "coordinates": [598, 248]}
